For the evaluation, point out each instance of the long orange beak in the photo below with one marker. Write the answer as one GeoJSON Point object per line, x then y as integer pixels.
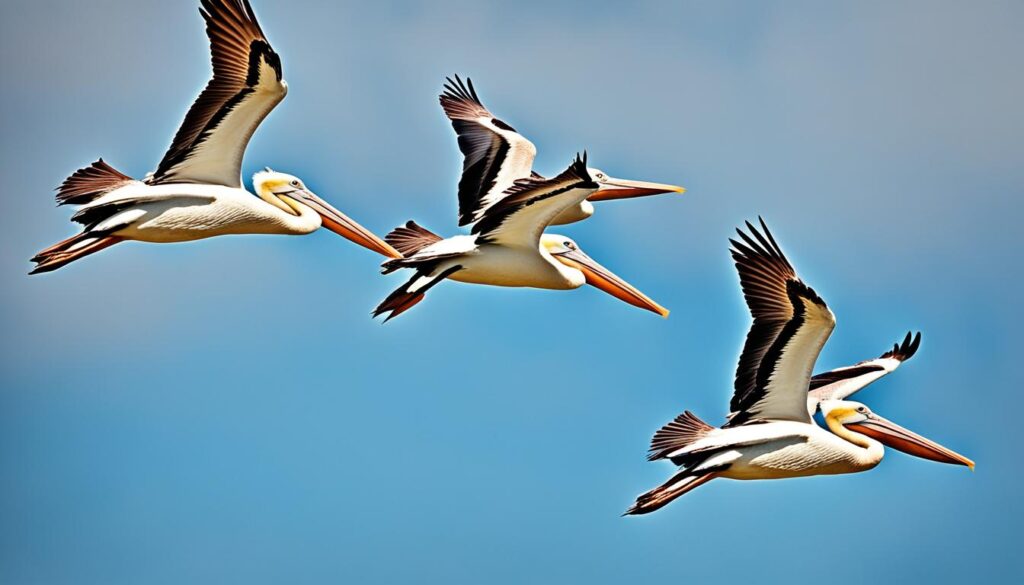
{"type": "Point", "coordinates": [624, 189]}
{"type": "Point", "coordinates": [340, 224]}
{"type": "Point", "coordinates": [600, 277]}
{"type": "Point", "coordinates": [899, 438]}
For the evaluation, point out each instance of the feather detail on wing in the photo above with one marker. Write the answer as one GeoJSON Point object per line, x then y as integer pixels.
{"type": "Point", "coordinates": [90, 183]}
{"type": "Point", "coordinates": [841, 383]}
{"type": "Point", "coordinates": [791, 325]}
{"type": "Point", "coordinates": [246, 86]}
{"type": "Point", "coordinates": [411, 238]}
{"type": "Point", "coordinates": [526, 208]}
{"type": "Point", "coordinates": [494, 154]}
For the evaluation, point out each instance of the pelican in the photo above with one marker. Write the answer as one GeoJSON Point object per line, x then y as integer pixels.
{"type": "Point", "coordinates": [495, 156]}
{"type": "Point", "coordinates": [507, 247]}
{"type": "Point", "coordinates": [770, 434]}
{"type": "Point", "coordinates": [196, 191]}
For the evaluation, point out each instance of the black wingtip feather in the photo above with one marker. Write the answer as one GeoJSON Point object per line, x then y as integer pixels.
{"type": "Point", "coordinates": [905, 350]}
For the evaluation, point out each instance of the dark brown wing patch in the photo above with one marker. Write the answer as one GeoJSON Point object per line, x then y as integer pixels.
{"type": "Point", "coordinates": [764, 273]}
{"type": "Point", "coordinates": [93, 181]}
{"type": "Point", "coordinates": [237, 45]}
{"type": "Point", "coordinates": [685, 429]}
{"type": "Point", "coordinates": [411, 238]}
{"type": "Point", "coordinates": [526, 192]}
{"type": "Point", "coordinates": [460, 101]}
{"type": "Point", "coordinates": [826, 378]}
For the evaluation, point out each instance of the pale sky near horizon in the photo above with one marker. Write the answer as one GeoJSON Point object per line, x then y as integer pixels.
{"type": "Point", "coordinates": [227, 411]}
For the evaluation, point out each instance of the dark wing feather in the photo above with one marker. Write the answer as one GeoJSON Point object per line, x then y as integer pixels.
{"type": "Point", "coordinates": [791, 324]}
{"type": "Point", "coordinates": [246, 86]}
{"type": "Point", "coordinates": [682, 431]}
{"type": "Point", "coordinates": [89, 183]}
{"type": "Point", "coordinates": [411, 238]}
{"type": "Point", "coordinates": [841, 383]}
{"type": "Point", "coordinates": [494, 154]}
{"type": "Point", "coordinates": [527, 207]}
{"type": "Point", "coordinates": [764, 271]}
{"type": "Point", "coordinates": [906, 350]}
{"type": "Point", "coordinates": [843, 374]}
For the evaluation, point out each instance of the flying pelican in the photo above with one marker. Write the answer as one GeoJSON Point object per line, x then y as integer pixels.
{"type": "Point", "coordinates": [507, 247]}
{"type": "Point", "coordinates": [495, 156]}
{"type": "Point", "coordinates": [770, 433]}
{"type": "Point", "coordinates": [196, 191]}
{"type": "Point", "coordinates": [841, 383]}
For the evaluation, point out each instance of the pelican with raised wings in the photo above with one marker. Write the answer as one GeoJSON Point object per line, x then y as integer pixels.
{"type": "Point", "coordinates": [770, 434]}
{"type": "Point", "coordinates": [495, 156]}
{"type": "Point", "coordinates": [196, 191]}
{"type": "Point", "coordinates": [507, 247]}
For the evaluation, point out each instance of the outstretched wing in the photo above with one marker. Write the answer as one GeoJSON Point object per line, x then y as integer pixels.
{"type": "Point", "coordinates": [494, 154]}
{"type": "Point", "coordinates": [526, 209]}
{"type": "Point", "coordinates": [841, 383]}
{"type": "Point", "coordinates": [246, 86]}
{"type": "Point", "coordinates": [791, 325]}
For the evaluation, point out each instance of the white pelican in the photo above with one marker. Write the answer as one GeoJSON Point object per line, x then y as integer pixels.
{"type": "Point", "coordinates": [495, 156]}
{"type": "Point", "coordinates": [196, 191]}
{"type": "Point", "coordinates": [841, 383]}
{"type": "Point", "coordinates": [507, 247]}
{"type": "Point", "coordinates": [770, 433]}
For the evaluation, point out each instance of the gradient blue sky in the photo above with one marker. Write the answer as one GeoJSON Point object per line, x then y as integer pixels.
{"type": "Point", "coordinates": [226, 411]}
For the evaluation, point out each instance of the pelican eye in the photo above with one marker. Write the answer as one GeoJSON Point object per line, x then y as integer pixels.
{"type": "Point", "coordinates": [569, 245]}
{"type": "Point", "coordinates": [295, 183]}
{"type": "Point", "coordinates": [862, 409]}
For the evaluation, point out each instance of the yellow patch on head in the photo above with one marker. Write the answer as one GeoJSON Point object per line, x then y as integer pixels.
{"type": "Point", "coordinates": [272, 184]}
{"type": "Point", "coordinates": [841, 414]}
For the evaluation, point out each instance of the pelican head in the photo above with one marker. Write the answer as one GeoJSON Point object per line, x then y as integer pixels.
{"type": "Point", "coordinates": [859, 418]}
{"type": "Point", "coordinates": [289, 194]}
{"type": "Point", "coordinates": [568, 253]}
{"type": "Point", "coordinates": [612, 188]}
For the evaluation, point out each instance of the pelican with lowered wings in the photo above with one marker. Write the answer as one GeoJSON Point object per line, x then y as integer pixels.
{"type": "Point", "coordinates": [508, 247]}
{"type": "Point", "coordinates": [770, 433]}
{"type": "Point", "coordinates": [196, 191]}
{"type": "Point", "coordinates": [495, 156]}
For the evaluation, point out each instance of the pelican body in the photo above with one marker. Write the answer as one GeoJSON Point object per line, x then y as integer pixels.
{"type": "Point", "coordinates": [196, 191]}
{"type": "Point", "coordinates": [770, 433]}
{"type": "Point", "coordinates": [507, 247]}
{"type": "Point", "coordinates": [495, 156]}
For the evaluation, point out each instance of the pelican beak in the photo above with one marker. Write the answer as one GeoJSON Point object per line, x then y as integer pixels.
{"type": "Point", "coordinates": [600, 277]}
{"type": "Point", "coordinates": [899, 438]}
{"type": "Point", "coordinates": [340, 224]}
{"type": "Point", "coordinates": [623, 189]}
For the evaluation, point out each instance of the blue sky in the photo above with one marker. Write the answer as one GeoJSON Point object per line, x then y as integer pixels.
{"type": "Point", "coordinates": [227, 411]}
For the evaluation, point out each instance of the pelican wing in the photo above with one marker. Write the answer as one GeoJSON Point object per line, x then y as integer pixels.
{"type": "Point", "coordinates": [494, 154]}
{"type": "Point", "coordinates": [791, 325]}
{"type": "Point", "coordinates": [110, 213]}
{"type": "Point", "coordinates": [519, 218]}
{"type": "Point", "coordinates": [246, 86]}
{"type": "Point", "coordinates": [841, 383]}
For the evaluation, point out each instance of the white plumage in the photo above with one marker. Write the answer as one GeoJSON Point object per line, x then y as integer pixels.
{"type": "Point", "coordinates": [196, 190]}
{"type": "Point", "coordinates": [770, 433]}
{"type": "Point", "coordinates": [507, 247]}
{"type": "Point", "coordinates": [495, 156]}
